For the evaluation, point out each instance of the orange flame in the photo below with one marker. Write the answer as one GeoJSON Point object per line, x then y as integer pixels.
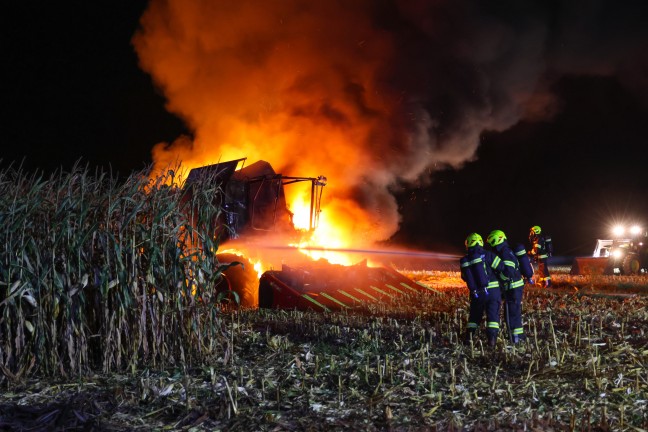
{"type": "Point", "coordinates": [257, 263]}
{"type": "Point", "coordinates": [293, 83]}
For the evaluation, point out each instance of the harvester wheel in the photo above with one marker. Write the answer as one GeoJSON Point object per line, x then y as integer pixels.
{"type": "Point", "coordinates": [630, 265]}
{"type": "Point", "coordinates": [240, 278]}
{"type": "Point", "coordinates": [266, 294]}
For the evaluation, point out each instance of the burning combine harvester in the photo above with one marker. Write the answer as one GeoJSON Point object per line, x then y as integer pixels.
{"type": "Point", "coordinates": [255, 214]}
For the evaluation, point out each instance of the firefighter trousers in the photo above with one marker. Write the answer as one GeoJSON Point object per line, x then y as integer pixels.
{"type": "Point", "coordinates": [543, 273]}
{"type": "Point", "coordinates": [513, 311]}
{"type": "Point", "coordinates": [488, 302]}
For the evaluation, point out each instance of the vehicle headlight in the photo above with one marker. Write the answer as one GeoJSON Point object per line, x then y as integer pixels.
{"type": "Point", "coordinates": [617, 253]}
{"type": "Point", "coordinates": [618, 230]}
{"type": "Point", "coordinates": [635, 230]}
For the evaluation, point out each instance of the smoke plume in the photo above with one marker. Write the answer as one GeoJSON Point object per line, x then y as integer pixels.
{"type": "Point", "coordinates": [370, 93]}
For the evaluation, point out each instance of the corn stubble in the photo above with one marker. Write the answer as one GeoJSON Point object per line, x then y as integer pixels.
{"type": "Point", "coordinates": [95, 286]}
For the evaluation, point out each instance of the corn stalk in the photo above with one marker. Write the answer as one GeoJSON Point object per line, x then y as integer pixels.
{"type": "Point", "coordinates": [101, 274]}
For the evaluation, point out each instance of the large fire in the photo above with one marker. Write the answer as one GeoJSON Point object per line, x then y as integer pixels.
{"type": "Point", "coordinates": [293, 83]}
{"type": "Point", "coordinates": [296, 110]}
{"type": "Point", "coordinates": [373, 94]}
{"type": "Point", "coordinates": [327, 239]}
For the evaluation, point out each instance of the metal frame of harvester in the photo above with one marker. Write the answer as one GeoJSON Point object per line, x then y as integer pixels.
{"type": "Point", "coordinates": [254, 204]}
{"type": "Point", "coordinates": [253, 196]}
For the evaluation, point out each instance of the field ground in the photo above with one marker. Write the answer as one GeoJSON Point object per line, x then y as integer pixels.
{"type": "Point", "coordinates": [583, 366]}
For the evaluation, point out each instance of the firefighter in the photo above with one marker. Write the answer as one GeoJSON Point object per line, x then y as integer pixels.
{"type": "Point", "coordinates": [512, 284]}
{"type": "Point", "coordinates": [479, 268]}
{"type": "Point", "coordinates": [541, 250]}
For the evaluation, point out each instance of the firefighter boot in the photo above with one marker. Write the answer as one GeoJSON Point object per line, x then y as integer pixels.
{"type": "Point", "coordinates": [516, 339]}
{"type": "Point", "coordinates": [492, 340]}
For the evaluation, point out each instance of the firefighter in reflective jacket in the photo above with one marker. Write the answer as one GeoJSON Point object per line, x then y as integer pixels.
{"type": "Point", "coordinates": [479, 270]}
{"type": "Point", "coordinates": [541, 250]}
{"type": "Point", "coordinates": [512, 283]}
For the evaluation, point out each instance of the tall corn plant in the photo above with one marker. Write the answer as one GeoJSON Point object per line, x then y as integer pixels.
{"type": "Point", "coordinates": [97, 274]}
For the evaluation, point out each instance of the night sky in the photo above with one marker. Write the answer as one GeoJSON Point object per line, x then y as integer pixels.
{"type": "Point", "coordinates": [72, 88]}
{"type": "Point", "coordinates": [573, 160]}
{"type": "Point", "coordinates": [573, 176]}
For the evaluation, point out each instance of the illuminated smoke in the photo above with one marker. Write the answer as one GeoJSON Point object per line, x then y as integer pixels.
{"type": "Point", "coordinates": [370, 93]}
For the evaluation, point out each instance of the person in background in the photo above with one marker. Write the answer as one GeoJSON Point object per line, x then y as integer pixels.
{"type": "Point", "coordinates": [541, 250]}
{"type": "Point", "coordinates": [512, 284]}
{"type": "Point", "coordinates": [479, 269]}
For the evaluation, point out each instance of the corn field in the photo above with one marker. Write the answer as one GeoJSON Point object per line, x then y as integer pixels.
{"type": "Point", "coordinates": [109, 321]}
{"type": "Point", "coordinates": [97, 274]}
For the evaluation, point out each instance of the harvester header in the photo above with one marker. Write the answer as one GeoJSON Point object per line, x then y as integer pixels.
{"type": "Point", "coordinates": [254, 204]}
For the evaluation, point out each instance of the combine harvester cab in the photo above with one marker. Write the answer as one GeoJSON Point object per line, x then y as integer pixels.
{"type": "Point", "coordinates": [254, 206]}
{"type": "Point", "coordinates": [253, 199]}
